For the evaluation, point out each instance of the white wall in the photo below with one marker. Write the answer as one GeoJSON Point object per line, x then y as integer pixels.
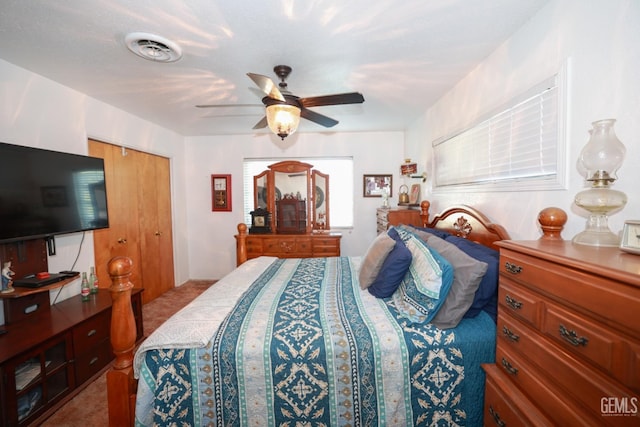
{"type": "Point", "coordinates": [38, 112]}
{"type": "Point", "coordinates": [211, 242]}
{"type": "Point", "coordinates": [602, 40]}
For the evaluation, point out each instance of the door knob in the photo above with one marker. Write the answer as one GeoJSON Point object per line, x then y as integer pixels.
{"type": "Point", "coordinates": [157, 233]}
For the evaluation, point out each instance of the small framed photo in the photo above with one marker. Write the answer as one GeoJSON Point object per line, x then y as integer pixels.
{"type": "Point", "coordinates": [377, 185]}
{"type": "Point", "coordinates": [631, 237]}
{"type": "Point", "coordinates": [221, 193]}
{"type": "Point", "coordinates": [414, 196]}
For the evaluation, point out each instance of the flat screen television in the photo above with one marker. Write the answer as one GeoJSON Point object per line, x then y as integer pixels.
{"type": "Point", "coordinates": [44, 193]}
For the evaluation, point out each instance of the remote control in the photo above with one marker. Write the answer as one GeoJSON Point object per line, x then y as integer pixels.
{"type": "Point", "coordinates": [69, 273]}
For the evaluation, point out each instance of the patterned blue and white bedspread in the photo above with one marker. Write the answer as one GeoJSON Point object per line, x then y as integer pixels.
{"type": "Point", "coordinates": [305, 347]}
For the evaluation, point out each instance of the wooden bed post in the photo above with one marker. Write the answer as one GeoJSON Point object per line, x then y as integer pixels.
{"type": "Point", "coordinates": [121, 385]}
{"type": "Point", "coordinates": [552, 221]}
{"type": "Point", "coordinates": [241, 244]}
{"type": "Point", "coordinates": [424, 212]}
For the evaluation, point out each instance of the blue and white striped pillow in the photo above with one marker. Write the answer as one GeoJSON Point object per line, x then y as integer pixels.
{"type": "Point", "coordinates": [426, 284]}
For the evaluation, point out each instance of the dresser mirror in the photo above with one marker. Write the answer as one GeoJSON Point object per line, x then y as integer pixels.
{"type": "Point", "coordinates": [293, 183]}
{"type": "Point", "coordinates": [320, 185]}
{"type": "Point", "coordinates": [260, 188]}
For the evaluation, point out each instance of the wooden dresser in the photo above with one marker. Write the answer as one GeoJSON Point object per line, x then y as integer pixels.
{"type": "Point", "coordinates": [291, 245]}
{"type": "Point", "coordinates": [568, 345]}
{"type": "Point", "coordinates": [390, 216]}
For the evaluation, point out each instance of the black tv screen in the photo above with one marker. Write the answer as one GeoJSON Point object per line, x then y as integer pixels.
{"type": "Point", "coordinates": [44, 193]}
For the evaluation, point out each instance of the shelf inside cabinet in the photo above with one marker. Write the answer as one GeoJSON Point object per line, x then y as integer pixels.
{"type": "Point", "coordinates": [27, 372]}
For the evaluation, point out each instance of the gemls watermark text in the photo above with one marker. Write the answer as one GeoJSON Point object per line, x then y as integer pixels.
{"type": "Point", "coordinates": [619, 406]}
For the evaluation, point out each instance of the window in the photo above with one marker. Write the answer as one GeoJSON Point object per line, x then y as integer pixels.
{"type": "Point", "coordinates": [340, 171]}
{"type": "Point", "coordinates": [521, 147]}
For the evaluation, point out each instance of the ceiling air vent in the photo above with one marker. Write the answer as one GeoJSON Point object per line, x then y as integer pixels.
{"type": "Point", "coordinates": [153, 47]}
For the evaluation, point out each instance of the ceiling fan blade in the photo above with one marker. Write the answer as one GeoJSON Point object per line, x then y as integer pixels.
{"type": "Point", "coordinates": [267, 86]}
{"type": "Point", "coordinates": [318, 118]}
{"type": "Point", "coordinates": [261, 124]}
{"type": "Point", "coordinates": [227, 105]}
{"type": "Point", "coordinates": [340, 98]}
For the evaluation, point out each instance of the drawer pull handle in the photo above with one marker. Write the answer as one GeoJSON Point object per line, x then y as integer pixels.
{"type": "Point", "coordinates": [509, 334]}
{"type": "Point", "coordinates": [512, 302]}
{"type": "Point", "coordinates": [93, 361]}
{"type": "Point", "coordinates": [509, 367]}
{"type": "Point", "coordinates": [512, 268]}
{"type": "Point", "coordinates": [496, 417]}
{"type": "Point", "coordinates": [91, 332]}
{"type": "Point", "coordinates": [572, 337]}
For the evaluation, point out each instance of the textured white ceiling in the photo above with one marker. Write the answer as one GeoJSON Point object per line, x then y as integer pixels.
{"type": "Point", "coordinates": [401, 55]}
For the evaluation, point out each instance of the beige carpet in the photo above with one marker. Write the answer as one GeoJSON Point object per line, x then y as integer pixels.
{"type": "Point", "coordinates": [89, 407]}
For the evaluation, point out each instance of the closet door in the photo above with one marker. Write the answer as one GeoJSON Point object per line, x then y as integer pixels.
{"type": "Point", "coordinates": [121, 238]}
{"type": "Point", "coordinates": [139, 202]}
{"type": "Point", "coordinates": [156, 241]}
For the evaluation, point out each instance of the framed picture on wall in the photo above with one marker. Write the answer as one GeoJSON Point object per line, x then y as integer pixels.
{"type": "Point", "coordinates": [221, 193]}
{"type": "Point", "coordinates": [414, 196]}
{"type": "Point", "coordinates": [376, 185]}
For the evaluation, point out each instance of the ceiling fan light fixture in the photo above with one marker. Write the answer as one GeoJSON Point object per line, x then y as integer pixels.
{"type": "Point", "coordinates": [153, 47]}
{"type": "Point", "coordinates": [283, 119]}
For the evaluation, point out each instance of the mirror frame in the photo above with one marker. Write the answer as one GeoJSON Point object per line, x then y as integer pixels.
{"type": "Point", "coordinates": [291, 167]}
{"type": "Point", "coordinates": [256, 192]}
{"type": "Point", "coordinates": [315, 176]}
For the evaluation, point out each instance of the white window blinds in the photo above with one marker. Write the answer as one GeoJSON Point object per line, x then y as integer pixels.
{"type": "Point", "coordinates": [521, 143]}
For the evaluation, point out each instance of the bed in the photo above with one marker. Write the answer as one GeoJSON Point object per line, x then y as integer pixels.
{"type": "Point", "coordinates": [321, 341]}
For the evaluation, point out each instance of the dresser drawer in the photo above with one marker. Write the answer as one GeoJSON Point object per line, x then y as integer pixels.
{"type": "Point", "coordinates": [326, 246]}
{"type": "Point", "coordinates": [88, 334]}
{"type": "Point", "coordinates": [506, 406]}
{"type": "Point", "coordinates": [608, 300]}
{"type": "Point", "coordinates": [520, 302]}
{"type": "Point", "coordinates": [584, 337]}
{"type": "Point", "coordinates": [535, 360]}
{"type": "Point", "coordinates": [521, 372]}
{"type": "Point", "coordinates": [93, 361]}
{"type": "Point", "coordinates": [288, 246]}
{"type": "Point", "coordinates": [254, 246]}
{"type": "Point", "coordinates": [634, 374]}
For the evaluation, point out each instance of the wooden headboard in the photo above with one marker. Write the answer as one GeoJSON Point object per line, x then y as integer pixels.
{"type": "Point", "coordinates": [466, 222]}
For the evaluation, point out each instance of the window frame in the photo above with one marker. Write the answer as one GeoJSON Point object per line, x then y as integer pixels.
{"type": "Point", "coordinates": [556, 181]}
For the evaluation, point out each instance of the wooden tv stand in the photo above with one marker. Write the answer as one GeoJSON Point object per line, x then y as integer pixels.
{"type": "Point", "coordinates": [49, 355]}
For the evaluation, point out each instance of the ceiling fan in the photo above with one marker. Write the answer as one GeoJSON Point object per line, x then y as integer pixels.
{"type": "Point", "coordinates": [283, 109]}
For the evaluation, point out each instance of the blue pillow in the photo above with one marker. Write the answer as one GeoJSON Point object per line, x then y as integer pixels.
{"type": "Point", "coordinates": [393, 268]}
{"type": "Point", "coordinates": [486, 296]}
{"type": "Point", "coordinates": [426, 285]}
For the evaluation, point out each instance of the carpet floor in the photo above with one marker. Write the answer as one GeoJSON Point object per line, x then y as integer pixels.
{"type": "Point", "coordinates": [89, 407]}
